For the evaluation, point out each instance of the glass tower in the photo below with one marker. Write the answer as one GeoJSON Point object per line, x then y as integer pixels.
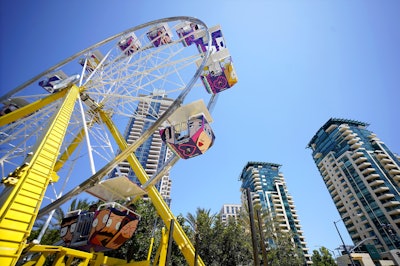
{"type": "Point", "coordinates": [153, 152]}
{"type": "Point", "coordinates": [362, 176]}
{"type": "Point", "coordinates": [268, 190]}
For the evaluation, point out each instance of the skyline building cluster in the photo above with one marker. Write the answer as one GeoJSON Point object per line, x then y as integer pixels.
{"type": "Point", "coordinates": [363, 178]}
{"type": "Point", "coordinates": [153, 153]}
{"type": "Point", "coordinates": [360, 173]}
{"type": "Point", "coordinates": [268, 190]}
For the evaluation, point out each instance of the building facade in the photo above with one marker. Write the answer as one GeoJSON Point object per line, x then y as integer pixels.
{"type": "Point", "coordinates": [230, 211]}
{"type": "Point", "coordinates": [268, 190]}
{"type": "Point", "coordinates": [363, 178]}
{"type": "Point", "coordinates": [153, 153]}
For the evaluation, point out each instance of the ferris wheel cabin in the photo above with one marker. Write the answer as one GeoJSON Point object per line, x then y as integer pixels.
{"type": "Point", "coordinates": [218, 73]}
{"type": "Point", "coordinates": [106, 228]}
{"type": "Point", "coordinates": [129, 44]}
{"type": "Point", "coordinates": [110, 224]}
{"type": "Point", "coordinates": [160, 35]}
{"type": "Point", "coordinates": [57, 81]}
{"type": "Point", "coordinates": [187, 31]}
{"type": "Point", "coordinates": [189, 133]}
{"type": "Point", "coordinates": [12, 105]}
{"type": "Point", "coordinates": [92, 60]}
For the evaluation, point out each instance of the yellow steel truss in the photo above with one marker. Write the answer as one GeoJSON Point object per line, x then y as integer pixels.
{"type": "Point", "coordinates": [162, 208]}
{"type": "Point", "coordinates": [26, 186]}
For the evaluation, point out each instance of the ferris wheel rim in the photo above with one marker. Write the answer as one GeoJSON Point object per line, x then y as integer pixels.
{"type": "Point", "coordinates": [176, 103]}
{"type": "Point", "coordinates": [4, 98]}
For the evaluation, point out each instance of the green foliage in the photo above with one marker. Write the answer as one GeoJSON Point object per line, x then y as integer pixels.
{"type": "Point", "coordinates": [149, 227]}
{"type": "Point", "coordinates": [217, 243]}
{"type": "Point", "coordinates": [323, 257]}
{"type": "Point", "coordinates": [177, 257]}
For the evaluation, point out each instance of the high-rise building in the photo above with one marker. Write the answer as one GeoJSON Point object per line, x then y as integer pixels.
{"type": "Point", "coordinates": [230, 211]}
{"type": "Point", "coordinates": [363, 178]}
{"type": "Point", "coordinates": [268, 190]}
{"type": "Point", "coordinates": [153, 153]}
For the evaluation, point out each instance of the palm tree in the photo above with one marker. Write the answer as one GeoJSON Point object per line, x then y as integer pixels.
{"type": "Point", "coordinates": [202, 223]}
{"type": "Point", "coordinates": [79, 204]}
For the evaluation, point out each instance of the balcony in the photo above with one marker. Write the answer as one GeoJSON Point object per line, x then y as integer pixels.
{"type": "Point", "coordinates": [394, 172]}
{"type": "Point", "coordinates": [385, 196]}
{"type": "Point", "coordinates": [390, 166]}
{"type": "Point", "coordinates": [371, 177]}
{"type": "Point", "coordinates": [368, 170]}
{"type": "Point", "coordinates": [360, 160]}
{"type": "Point", "coordinates": [324, 172]}
{"type": "Point", "coordinates": [351, 227]}
{"type": "Point", "coordinates": [336, 197]}
{"type": "Point", "coordinates": [364, 165]}
{"type": "Point", "coordinates": [330, 128]}
{"type": "Point", "coordinates": [385, 160]}
{"type": "Point", "coordinates": [353, 140]}
{"type": "Point", "coordinates": [394, 212]}
{"type": "Point", "coordinates": [345, 129]}
{"type": "Point", "coordinates": [357, 145]}
{"type": "Point", "coordinates": [381, 155]}
{"type": "Point", "coordinates": [350, 136]}
{"type": "Point", "coordinates": [376, 183]}
{"type": "Point", "coordinates": [381, 189]}
{"type": "Point", "coordinates": [357, 154]}
{"type": "Point", "coordinates": [391, 203]}
{"type": "Point", "coordinates": [342, 209]}
{"type": "Point", "coordinates": [317, 155]}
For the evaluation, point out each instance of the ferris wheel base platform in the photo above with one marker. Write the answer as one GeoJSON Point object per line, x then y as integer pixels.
{"type": "Point", "coordinates": [116, 188]}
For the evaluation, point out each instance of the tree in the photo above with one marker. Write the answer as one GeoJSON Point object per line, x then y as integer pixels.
{"type": "Point", "coordinates": [281, 249]}
{"type": "Point", "coordinates": [233, 242]}
{"type": "Point", "coordinates": [323, 257]}
{"type": "Point", "coordinates": [203, 236]}
{"type": "Point", "coordinates": [149, 227]}
{"type": "Point", "coordinates": [219, 243]}
{"type": "Point", "coordinates": [177, 257]}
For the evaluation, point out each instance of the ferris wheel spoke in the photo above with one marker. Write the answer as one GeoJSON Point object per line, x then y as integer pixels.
{"type": "Point", "coordinates": [111, 80]}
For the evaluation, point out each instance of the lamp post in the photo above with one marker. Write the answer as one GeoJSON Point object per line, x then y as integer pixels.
{"type": "Point", "coordinates": [344, 245]}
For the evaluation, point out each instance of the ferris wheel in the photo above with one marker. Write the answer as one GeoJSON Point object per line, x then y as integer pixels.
{"type": "Point", "coordinates": [69, 121]}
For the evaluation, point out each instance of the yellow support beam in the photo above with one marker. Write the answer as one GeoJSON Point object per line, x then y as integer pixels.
{"type": "Point", "coordinates": [64, 256]}
{"type": "Point", "coordinates": [30, 108]}
{"type": "Point", "coordinates": [26, 186]}
{"type": "Point", "coordinates": [162, 208]}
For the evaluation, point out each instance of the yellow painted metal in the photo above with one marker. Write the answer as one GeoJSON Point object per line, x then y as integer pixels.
{"type": "Point", "coordinates": [69, 150]}
{"type": "Point", "coordinates": [162, 208]}
{"type": "Point", "coordinates": [30, 108]}
{"type": "Point", "coordinates": [64, 256]}
{"type": "Point", "coordinates": [161, 255]}
{"type": "Point", "coordinates": [150, 249]}
{"type": "Point", "coordinates": [68, 256]}
{"type": "Point", "coordinates": [23, 195]}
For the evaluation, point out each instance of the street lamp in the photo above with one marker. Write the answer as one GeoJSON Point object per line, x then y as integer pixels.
{"type": "Point", "coordinates": [344, 245]}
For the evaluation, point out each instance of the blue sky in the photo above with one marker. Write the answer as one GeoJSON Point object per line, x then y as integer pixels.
{"type": "Point", "coordinates": [299, 63]}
